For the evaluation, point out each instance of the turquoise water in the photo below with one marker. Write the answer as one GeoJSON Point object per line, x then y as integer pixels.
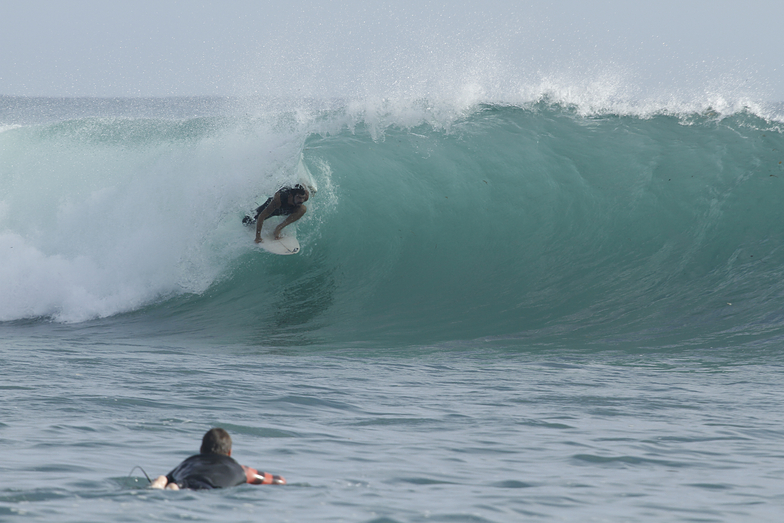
{"type": "Point", "coordinates": [500, 311]}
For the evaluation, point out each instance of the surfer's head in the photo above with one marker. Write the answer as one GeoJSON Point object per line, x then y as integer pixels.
{"type": "Point", "coordinates": [216, 441]}
{"type": "Point", "coordinates": [300, 194]}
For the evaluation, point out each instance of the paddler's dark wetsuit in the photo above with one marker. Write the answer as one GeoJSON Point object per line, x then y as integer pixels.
{"type": "Point", "coordinates": [208, 471]}
{"type": "Point", "coordinates": [285, 208]}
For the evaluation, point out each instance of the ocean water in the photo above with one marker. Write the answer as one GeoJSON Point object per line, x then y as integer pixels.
{"type": "Point", "coordinates": [537, 309]}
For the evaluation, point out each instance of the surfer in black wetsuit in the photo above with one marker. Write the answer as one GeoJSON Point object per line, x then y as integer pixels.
{"type": "Point", "coordinates": [287, 202]}
{"type": "Point", "coordinates": [213, 468]}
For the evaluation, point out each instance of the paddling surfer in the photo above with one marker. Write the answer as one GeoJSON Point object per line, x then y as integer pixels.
{"type": "Point", "coordinates": [213, 468]}
{"type": "Point", "coordinates": [289, 201]}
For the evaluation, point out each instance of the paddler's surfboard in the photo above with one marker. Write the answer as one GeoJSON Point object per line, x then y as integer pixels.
{"type": "Point", "coordinates": [287, 244]}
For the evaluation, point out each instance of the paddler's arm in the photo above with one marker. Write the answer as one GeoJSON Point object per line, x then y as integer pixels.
{"type": "Point", "coordinates": [289, 220]}
{"type": "Point", "coordinates": [273, 206]}
{"type": "Point", "coordinates": [255, 477]}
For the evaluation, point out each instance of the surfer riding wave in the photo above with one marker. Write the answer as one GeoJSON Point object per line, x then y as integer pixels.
{"type": "Point", "coordinates": [288, 201]}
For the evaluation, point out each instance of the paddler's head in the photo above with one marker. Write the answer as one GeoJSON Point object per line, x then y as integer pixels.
{"type": "Point", "coordinates": [216, 441]}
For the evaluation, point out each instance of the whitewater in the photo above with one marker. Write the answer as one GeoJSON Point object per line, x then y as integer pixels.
{"type": "Point", "coordinates": [537, 307]}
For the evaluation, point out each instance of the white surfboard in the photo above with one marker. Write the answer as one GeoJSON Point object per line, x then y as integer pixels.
{"type": "Point", "coordinates": [304, 177]}
{"type": "Point", "coordinates": [287, 244]}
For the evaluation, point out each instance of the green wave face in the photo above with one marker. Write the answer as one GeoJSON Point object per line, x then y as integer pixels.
{"type": "Point", "coordinates": [508, 224]}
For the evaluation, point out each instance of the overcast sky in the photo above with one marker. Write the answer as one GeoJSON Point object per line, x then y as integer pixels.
{"type": "Point", "coordinates": [326, 48]}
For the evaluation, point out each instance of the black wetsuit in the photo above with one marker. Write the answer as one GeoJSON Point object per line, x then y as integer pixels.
{"type": "Point", "coordinates": [207, 471]}
{"type": "Point", "coordinates": [285, 208]}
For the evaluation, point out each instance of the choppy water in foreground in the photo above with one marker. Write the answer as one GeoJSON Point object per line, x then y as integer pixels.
{"type": "Point", "coordinates": [440, 434]}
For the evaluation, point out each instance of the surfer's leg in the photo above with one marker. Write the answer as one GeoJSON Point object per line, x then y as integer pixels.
{"type": "Point", "coordinates": [248, 220]}
{"type": "Point", "coordinates": [261, 208]}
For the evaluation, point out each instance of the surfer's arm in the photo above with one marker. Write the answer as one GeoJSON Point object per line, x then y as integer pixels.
{"type": "Point", "coordinates": [266, 213]}
{"type": "Point", "coordinates": [289, 220]}
{"type": "Point", "coordinates": [256, 477]}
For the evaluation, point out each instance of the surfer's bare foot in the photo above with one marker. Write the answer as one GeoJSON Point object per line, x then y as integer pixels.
{"type": "Point", "coordinates": [159, 483]}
